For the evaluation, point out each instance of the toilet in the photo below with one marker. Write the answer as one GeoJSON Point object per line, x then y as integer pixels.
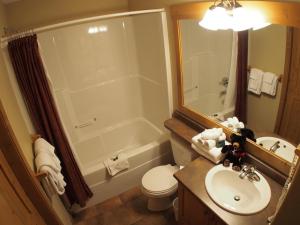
{"type": "Point", "coordinates": [159, 184]}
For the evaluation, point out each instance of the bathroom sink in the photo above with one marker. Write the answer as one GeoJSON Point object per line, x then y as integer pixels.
{"type": "Point", "coordinates": [237, 195]}
{"type": "Point", "coordinates": [285, 149]}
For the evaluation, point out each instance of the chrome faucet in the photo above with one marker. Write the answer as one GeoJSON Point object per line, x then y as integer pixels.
{"type": "Point", "coordinates": [275, 146]}
{"type": "Point", "coordinates": [249, 171]}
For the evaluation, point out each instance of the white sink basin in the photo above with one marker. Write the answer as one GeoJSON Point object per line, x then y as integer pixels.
{"type": "Point", "coordinates": [286, 150]}
{"type": "Point", "coordinates": [237, 195]}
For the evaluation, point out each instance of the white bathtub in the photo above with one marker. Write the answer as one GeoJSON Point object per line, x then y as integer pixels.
{"type": "Point", "coordinates": [212, 105]}
{"type": "Point", "coordinates": [146, 147]}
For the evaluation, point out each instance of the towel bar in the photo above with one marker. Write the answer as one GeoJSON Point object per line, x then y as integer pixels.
{"type": "Point", "coordinates": [40, 175]}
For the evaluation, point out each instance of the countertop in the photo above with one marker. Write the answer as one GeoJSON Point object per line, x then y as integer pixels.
{"type": "Point", "coordinates": [192, 177]}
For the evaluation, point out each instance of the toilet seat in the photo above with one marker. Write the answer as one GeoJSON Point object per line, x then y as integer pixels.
{"type": "Point", "coordinates": [159, 181]}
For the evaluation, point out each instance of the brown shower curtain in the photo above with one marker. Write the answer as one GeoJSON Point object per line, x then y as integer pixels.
{"type": "Point", "coordinates": [32, 80]}
{"type": "Point", "coordinates": [241, 73]}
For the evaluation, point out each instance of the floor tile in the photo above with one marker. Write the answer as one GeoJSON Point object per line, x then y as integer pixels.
{"type": "Point", "coordinates": [130, 194]}
{"type": "Point", "coordinates": [129, 208]}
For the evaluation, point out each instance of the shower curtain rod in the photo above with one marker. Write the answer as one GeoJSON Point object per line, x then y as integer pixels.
{"type": "Point", "coordinates": [4, 40]}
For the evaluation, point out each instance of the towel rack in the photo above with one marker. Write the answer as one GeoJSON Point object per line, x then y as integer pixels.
{"type": "Point", "coordinates": [41, 175]}
{"type": "Point", "coordinates": [279, 76]}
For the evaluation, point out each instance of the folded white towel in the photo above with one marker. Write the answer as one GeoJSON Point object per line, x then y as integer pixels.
{"type": "Point", "coordinates": [211, 134]}
{"type": "Point", "coordinates": [44, 159]}
{"type": "Point", "coordinates": [233, 123]}
{"type": "Point", "coordinates": [116, 164]}
{"type": "Point", "coordinates": [215, 155]}
{"type": "Point", "coordinates": [215, 134]}
{"type": "Point", "coordinates": [42, 145]}
{"type": "Point", "coordinates": [255, 81]}
{"type": "Point", "coordinates": [269, 84]}
{"type": "Point", "coordinates": [54, 180]}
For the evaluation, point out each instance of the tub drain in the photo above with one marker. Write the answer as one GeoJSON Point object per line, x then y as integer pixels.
{"type": "Point", "coordinates": [237, 198]}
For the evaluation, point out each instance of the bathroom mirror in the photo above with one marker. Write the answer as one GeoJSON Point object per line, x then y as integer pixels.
{"type": "Point", "coordinates": [205, 62]}
{"type": "Point", "coordinates": [209, 65]}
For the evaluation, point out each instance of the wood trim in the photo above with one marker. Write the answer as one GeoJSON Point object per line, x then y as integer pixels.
{"type": "Point", "coordinates": [286, 77]}
{"type": "Point", "coordinates": [285, 13]}
{"type": "Point", "coordinates": [13, 154]}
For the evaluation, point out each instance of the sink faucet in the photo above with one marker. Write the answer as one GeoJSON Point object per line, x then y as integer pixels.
{"type": "Point", "coordinates": [249, 171]}
{"type": "Point", "coordinates": [275, 146]}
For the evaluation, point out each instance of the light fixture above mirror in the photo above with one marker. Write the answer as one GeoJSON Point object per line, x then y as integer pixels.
{"type": "Point", "coordinates": [229, 14]}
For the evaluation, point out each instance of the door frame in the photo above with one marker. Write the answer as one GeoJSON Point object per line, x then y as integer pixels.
{"type": "Point", "coordinates": [12, 152]}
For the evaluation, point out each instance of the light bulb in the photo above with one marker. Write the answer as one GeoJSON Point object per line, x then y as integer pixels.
{"type": "Point", "coordinates": [215, 19]}
{"type": "Point", "coordinates": [208, 21]}
{"type": "Point", "coordinates": [241, 19]}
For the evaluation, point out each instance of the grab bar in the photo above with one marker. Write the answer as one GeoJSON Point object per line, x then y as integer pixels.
{"type": "Point", "coordinates": [86, 124]}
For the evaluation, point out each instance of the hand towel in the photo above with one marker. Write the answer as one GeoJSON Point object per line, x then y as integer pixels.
{"type": "Point", "coordinates": [269, 84]}
{"type": "Point", "coordinates": [54, 180]}
{"type": "Point", "coordinates": [42, 146]}
{"type": "Point", "coordinates": [116, 164]}
{"type": "Point", "coordinates": [255, 81]}
{"type": "Point", "coordinates": [44, 159]}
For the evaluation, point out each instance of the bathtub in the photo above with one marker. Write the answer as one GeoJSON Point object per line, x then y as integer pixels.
{"type": "Point", "coordinates": [212, 105]}
{"type": "Point", "coordinates": [146, 147]}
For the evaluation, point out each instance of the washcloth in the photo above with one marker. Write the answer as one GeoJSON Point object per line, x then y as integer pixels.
{"type": "Point", "coordinates": [269, 84]}
{"type": "Point", "coordinates": [116, 164]}
{"type": "Point", "coordinates": [255, 81]}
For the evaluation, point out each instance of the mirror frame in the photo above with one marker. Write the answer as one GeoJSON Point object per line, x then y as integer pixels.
{"type": "Point", "coordinates": [275, 12]}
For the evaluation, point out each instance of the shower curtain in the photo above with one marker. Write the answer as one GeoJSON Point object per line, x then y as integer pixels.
{"type": "Point", "coordinates": [230, 97]}
{"type": "Point", "coordinates": [242, 64]}
{"type": "Point", "coordinates": [32, 81]}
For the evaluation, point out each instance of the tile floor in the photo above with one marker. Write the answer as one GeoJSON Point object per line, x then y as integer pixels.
{"type": "Point", "coordinates": [129, 208]}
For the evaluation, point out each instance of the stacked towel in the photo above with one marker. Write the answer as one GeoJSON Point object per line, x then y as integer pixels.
{"type": "Point", "coordinates": [116, 164]}
{"type": "Point", "coordinates": [255, 81]}
{"type": "Point", "coordinates": [214, 155]}
{"type": "Point", "coordinates": [269, 83]}
{"type": "Point", "coordinates": [234, 124]}
{"type": "Point", "coordinates": [206, 142]}
{"type": "Point", "coordinates": [46, 161]}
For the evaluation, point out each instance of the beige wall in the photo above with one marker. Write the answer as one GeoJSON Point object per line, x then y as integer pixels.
{"type": "Point", "coordinates": [13, 112]}
{"type": "Point", "coordinates": [11, 107]}
{"type": "Point", "coordinates": [266, 52]}
{"type": "Point", "coordinates": [32, 13]}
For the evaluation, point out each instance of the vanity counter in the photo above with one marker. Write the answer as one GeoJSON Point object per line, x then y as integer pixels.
{"type": "Point", "coordinates": [192, 178]}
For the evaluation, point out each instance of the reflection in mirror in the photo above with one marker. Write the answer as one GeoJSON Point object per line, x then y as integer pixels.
{"type": "Point", "coordinates": [209, 65]}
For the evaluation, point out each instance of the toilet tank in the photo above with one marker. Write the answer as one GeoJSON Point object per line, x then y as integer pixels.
{"type": "Point", "coordinates": [182, 152]}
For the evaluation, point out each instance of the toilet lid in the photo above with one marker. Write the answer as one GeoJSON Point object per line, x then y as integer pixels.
{"type": "Point", "coordinates": [160, 178]}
